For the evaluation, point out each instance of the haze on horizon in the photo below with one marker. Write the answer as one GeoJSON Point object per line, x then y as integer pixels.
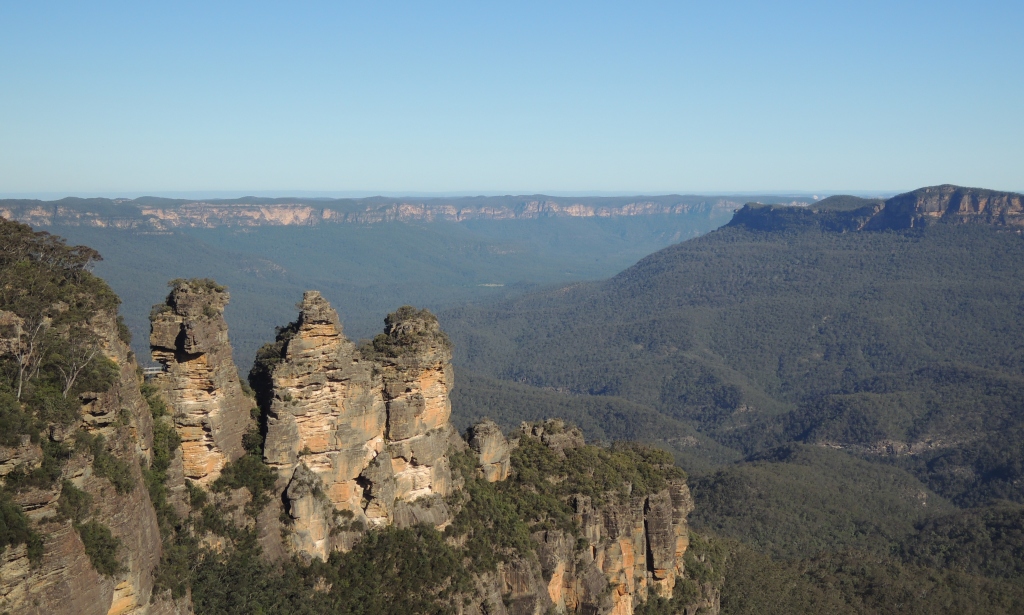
{"type": "Point", "coordinates": [119, 99]}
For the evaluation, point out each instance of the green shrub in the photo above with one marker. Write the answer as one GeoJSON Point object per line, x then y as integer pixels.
{"type": "Point", "coordinates": [123, 332]}
{"type": "Point", "coordinates": [14, 525]}
{"type": "Point", "coordinates": [106, 464]}
{"type": "Point", "coordinates": [101, 546]}
{"type": "Point", "coordinates": [74, 503]}
{"type": "Point", "coordinates": [14, 422]}
{"type": "Point", "coordinates": [251, 472]}
{"type": "Point", "coordinates": [55, 455]}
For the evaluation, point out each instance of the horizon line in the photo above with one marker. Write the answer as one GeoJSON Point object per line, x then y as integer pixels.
{"type": "Point", "coordinates": [361, 194]}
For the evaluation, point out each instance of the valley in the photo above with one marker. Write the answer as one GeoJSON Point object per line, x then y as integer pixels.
{"type": "Point", "coordinates": [840, 384]}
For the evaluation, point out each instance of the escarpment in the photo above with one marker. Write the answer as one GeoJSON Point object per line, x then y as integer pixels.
{"type": "Point", "coordinates": [615, 550]}
{"type": "Point", "coordinates": [199, 379]}
{"type": "Point", "coordinates": [934, 204]}
{"type": "Point", "coordinates": [358, 436]}
{"type": "Point", "coordinates": [81, 535]}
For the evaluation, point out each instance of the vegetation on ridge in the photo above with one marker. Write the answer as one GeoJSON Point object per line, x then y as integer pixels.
{"type": "Point", "coordinates": [51, 353]}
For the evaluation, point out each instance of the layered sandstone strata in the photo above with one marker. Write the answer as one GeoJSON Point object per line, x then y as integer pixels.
{"type": "Point", "coordinates": [63, 580]}
{"type": "Point", "coordinates": [200, 381]}
{"type": "Point", "coordinates": [630, 550]}
{"type": "Point", "coordinates": [359, 437]}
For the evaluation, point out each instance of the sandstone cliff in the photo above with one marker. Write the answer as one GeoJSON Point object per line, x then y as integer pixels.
{"type": "Point", "coordinates": [955, 204]}
{"type": "Point", "coordinates": [936, 204]}
{"type": "Point", "coordinates": [108, 444]}
{"type": "Point", "coordinates": [199, 379]}
{"type": "Point", "coordinates": [627, 548]}
{"type": "Point", "coordinates": [358, 437]}
{"type": "Point", "coordinates": [492, 449]}
{"type": "Point", "coordinates": [165, 214]}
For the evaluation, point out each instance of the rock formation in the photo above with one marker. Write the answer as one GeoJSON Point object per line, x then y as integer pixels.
{"type": "Point", "coordinates": [935, 204]}
{"type": "Point", "coordinates": [358, 437]}
{"type": "Point", "coordinates": [634, 547]}
{"type": "Point", "coordinates": [200, 381]}
{"type": "Point", "coordinates": [99, 518]}
{"type": "Point", "coordinates": [64, 580]}
{"type": "Point", "coordinates": [491, 447]}
{"type": "Point", "coordinates": [949, 203]}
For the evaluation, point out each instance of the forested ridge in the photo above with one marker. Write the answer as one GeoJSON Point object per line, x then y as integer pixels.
{"type": "Point", "coordinates": [857, 396]}
{"type": "Point", "coordinates": [849, 405]}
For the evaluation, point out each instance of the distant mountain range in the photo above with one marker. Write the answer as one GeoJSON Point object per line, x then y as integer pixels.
{"type": "Point", "coordinates": [946, 203]}
{"type": "Point", "coordinates": [157, 214]}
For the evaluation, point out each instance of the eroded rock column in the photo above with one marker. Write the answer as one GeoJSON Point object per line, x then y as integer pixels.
{"type": "Point", "coordinates": [189, 337]}
{"type": "Point", "coordinates": [359, 436]}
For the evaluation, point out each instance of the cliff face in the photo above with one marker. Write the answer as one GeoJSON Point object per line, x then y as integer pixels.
{"type": "Point", "coordinates": [165, 214]}
{"type": "Point", "coordinates": [65, 580]}
{"type": "Point", "coordinates": [200, 381]}
{"type": "Point", "coordinates": [935, 204]}
{"type": "Point", "coordinates": [629, 551]}
{"type": "Point", "coordinates": [357, 441]}
{"type": "Point", "coordinates": [955, 204]}
{"type": "Point", "coordinates": [492, 450]}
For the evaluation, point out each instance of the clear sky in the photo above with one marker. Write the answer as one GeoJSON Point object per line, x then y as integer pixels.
{"type": "Point", "coordinates": [588, 97]}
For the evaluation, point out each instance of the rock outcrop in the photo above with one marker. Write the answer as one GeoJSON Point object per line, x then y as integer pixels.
{"type": "Point", "coordinates": [935, 204]}
{"type": "Point", "coordinates": [63, 580]}
{"type": "Point", "coordinates": [955, 204]}
{"type": "Point", "coordinates": [492, 449]}
{"type": "Point", "coordinates": [358, 436]}
{"type": "Point", "coordinates": [199, 379]}
{"type": "Point", "coordinates": [628, 552]}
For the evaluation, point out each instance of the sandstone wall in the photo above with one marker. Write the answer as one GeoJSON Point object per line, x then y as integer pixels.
{"type": "Point", "coordinates": [65, 582]}
{"type": "Point", "coordinates": [635, 549]}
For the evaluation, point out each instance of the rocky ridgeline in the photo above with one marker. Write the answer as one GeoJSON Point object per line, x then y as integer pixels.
{"type": "Point", "coordinates": [630, 549]}
{"type": "Point", "coordinates": [64, 580]}
{"type": "Point", "coordinates": [358, 437]}
{"type": "Point", "coordinates": [935, 204]}
{"type": "Point", "coordinates": [349, 439]}
{"type": "Point", "coordinates": [199, 380]}
{"type": "Point", "coordinates": [165, 214]}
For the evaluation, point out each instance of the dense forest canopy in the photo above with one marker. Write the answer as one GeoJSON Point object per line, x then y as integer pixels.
{"type": "Point", "coordinates": [366, 270]}
{"type": "Point", "coordinates": [855, 396]}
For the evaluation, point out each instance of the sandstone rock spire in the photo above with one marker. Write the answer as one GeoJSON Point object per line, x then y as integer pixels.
{"type": "Point", "coordinates": [358, 436]}
{"type": "Point", "coordinates": [189, 337]}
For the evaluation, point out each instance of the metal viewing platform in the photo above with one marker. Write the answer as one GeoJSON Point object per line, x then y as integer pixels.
{"type": "Point", "coordinates": [148, 373]}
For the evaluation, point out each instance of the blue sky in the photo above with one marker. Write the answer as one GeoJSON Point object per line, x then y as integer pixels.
{"type": "Point", "coordinates": [518, 97]}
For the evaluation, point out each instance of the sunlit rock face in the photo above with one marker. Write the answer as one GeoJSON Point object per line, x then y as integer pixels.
{"type": "Point", "coordinates": [359, 436]}
{"type": "Point", "coordinates": [492, 449]}
{"type": "Point", "coordinates": [627, 552]}
{"type": "Point", "coordinates": [189, 337]}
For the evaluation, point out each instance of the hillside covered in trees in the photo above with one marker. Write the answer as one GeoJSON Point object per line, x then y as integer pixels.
{"type": "Point", "coordinates": [852, 371]}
